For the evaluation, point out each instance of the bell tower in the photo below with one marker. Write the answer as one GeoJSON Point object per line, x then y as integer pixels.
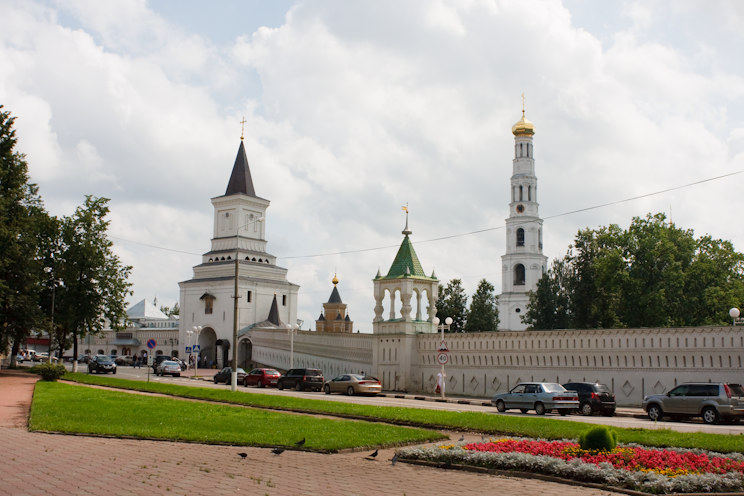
{"type": "Point", "coordinates": [523, 263]}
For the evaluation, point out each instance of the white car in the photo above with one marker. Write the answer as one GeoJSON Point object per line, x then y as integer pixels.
{"type": "Point", "coordinates": [169, 367]}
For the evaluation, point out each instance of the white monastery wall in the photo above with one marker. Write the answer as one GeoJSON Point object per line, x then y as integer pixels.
{"type": "Point", "coordinates": [632, 362]}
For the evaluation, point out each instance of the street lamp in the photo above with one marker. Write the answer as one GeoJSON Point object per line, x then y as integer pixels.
{"type": "Point", "coordinates": [734, 314]}
{"type": "Point", "coordinates": [442, 349]}
{"type": "Point", "coordinates": [292, 331]}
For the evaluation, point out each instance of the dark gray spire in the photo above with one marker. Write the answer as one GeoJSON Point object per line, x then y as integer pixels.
{"type": "Point", "coordinates": [240, 179]}
{"type": "Point", "coordinates": [274, 312]}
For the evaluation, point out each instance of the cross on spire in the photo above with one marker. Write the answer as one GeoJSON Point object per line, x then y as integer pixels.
{"type": "Point", "coordinates": [242, 124]}
{"type": "Point", "coordinates": [523, 104]}
{"type": "Point", "coordinates": [406, 231]}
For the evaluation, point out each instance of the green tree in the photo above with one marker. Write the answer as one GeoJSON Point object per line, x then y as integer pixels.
{"type": "Point", "coordinates": [595, 279]}
{"type": "Point", "coordinates": [659, 256]}
{"type": "Point", "coordinates": [94, 282]}
{"type": "Point", "coordinates": [483, 314]}
{"type": "Point", "coordinates": [549, 306]}
{"type": "Point", "coordinates": [22, 216]}
{"type": "Point", "coordinates": [170, 311]}
{"type": "Point", "coordinates": [451, 302]}
{"type": "Point", "coordinates": [652, 274]}
{"type": "Point", "coordinates": [715, 283]}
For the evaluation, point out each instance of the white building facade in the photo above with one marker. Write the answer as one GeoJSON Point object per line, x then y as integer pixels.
{"type": "Point", "coordinates": [523, 263]}
{"type": "Point", "coordinates": [238, 250]}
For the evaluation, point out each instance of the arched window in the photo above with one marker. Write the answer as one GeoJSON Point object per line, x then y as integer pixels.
{"type": "Point", "coordinates": [520, 192]}
{"type": "Point", "coordinates": [520, 237]}
{"type": "Point", "coordinates": [529, 193]}
{"type": "Point", "coordinates": [519, 275]}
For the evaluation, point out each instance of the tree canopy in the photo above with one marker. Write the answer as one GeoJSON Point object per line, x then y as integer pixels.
{"type": "Point", "coordinates": [60, 271]}
{"type": "Point", "coordinates": [452, 302]}
{"type": "Point", "coordinates": [22, 219]}
{"type": "Point", "coordinates": [651, 275]}
{"type": "Point", "coordinates": [483, 314]}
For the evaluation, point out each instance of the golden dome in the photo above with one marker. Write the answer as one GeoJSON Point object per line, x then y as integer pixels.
{"type": "Point", "coordinates": [335, 280]}
{"type": "Point", "coordinates": [523, 127]}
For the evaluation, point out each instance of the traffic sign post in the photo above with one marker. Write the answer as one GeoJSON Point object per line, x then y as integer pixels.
{"type": "Point", "coordinates": [442, 358]}
{"type": "Point", "coordinates": [151, 343]}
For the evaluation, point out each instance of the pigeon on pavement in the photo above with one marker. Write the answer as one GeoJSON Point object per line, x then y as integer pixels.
{"type": "Point", "coordinates": [373, 455]}
{"type": "Point", "coordinates": [243, 455]}
{"type": "Point", "coordinates": [278, 451]}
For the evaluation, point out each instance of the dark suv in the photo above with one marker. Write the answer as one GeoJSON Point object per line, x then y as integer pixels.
{"type": "Point", "coordinates": [712, 401]}
{"type": "Point", "coordinates": [101, 363]}
{"type": "Point", "coordinates": [301, 379]}
{"type": "Point", "coordinates": [593, 397]}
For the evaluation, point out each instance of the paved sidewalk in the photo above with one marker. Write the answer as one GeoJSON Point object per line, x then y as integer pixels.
{"type": "Point", "coordinates": [37, 463]}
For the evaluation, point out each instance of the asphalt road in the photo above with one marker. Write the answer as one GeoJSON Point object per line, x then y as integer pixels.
{"type": "Point", "coordinates": [625, 420]}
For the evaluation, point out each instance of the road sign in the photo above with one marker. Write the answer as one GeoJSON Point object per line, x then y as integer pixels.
{"type": "Point", "coordinates": [196, 348]}
{"type": "Point", "coordinates": [442, 358]}
{"type": "Point", "coordinates": [151, 343]}
{"type": "Point", "coordinates": [443, 346]}
{"type": "Point", "coordinates": [188, 349]}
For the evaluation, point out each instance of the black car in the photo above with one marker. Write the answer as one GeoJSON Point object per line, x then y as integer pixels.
{"type": "Point", "coordinates": [225, 375]}
{"type": "Point", "coordinates": [101, 363]}
{"type": "Point", "coordinates": [593, 397]}
{"type": "Point", "coordinates": [301, 379]}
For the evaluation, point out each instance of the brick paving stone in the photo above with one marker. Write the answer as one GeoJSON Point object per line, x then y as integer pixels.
{"type": "Point", "coordinates": [40, 463]}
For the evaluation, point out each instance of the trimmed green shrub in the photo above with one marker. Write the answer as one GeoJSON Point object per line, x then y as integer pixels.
{"type": "Point", "coordinates": [50, 371]}
{"type": "Point", "coordinates": [598, 438]}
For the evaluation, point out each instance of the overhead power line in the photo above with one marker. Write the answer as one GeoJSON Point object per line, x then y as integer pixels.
{"type": "Point", "coordinates": [470, 233]}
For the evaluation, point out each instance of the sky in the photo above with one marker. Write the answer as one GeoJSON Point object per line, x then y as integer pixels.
{"type": "Point", "coordinates": [354, 109]}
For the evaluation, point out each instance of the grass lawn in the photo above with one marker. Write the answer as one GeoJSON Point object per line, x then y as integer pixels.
{"type": "Point", "coordinates": [487, 423]}
{"type": "Point", "coordinates": [68, 408]}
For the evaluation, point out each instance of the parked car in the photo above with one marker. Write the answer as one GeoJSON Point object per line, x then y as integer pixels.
{"type": "Point", "coordinates": [593, 397]}
{"type": "Point", "coordinates": [101, 363]}
{"type": "Point", "coordinates": [352, 384]}
{"type": "Point", "coordinates": [19, 357]}
{"type": "Point", "coordinates": [159, 358]}
{"type": "Point", "coordinates": [169, 367]}
{"type": "Point", "coordinates": [81, 359]}
{"type": "Point", "coordinates": [225, 375]}
{"type": "Point", "coordinates": [123, 359]}
{"type": "Point", "coordinates": [542, 397]}
{"type": "Point", "coordinates": [712, 401]}
{"type": "Point", "coordinates": [301, 379]}
{"type": "Point", "coordinates": [41, 357]}
{"type": "Point", "coordinates": [261, 378]}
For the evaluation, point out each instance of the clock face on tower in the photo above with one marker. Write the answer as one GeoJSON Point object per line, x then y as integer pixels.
{"type": "Point", "coordinates": [520, 208]}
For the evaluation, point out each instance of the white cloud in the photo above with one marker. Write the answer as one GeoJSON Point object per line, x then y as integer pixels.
{"type": "Point", "coordinates": [354, 109]}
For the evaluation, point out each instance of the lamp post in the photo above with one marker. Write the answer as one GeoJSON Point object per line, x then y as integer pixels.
{"type": "Point", "coordinates": [734, 314]}
{"type": "Point", "coordinates": [442, 351]}
{"type": "Point", "coordinates": [292, 331]}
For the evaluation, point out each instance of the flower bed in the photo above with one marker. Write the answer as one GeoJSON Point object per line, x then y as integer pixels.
{"type": "Point", "coordinates": [630, 466]}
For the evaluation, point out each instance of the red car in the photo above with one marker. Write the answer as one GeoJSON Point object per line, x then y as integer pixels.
{"type": "Point", "coordinates": [261, 378]}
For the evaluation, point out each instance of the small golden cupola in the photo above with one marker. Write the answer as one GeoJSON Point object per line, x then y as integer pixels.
{"type": "Point", "coordinates": [523, 127]}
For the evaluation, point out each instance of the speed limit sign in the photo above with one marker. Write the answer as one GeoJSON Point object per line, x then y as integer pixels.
{"type": "Point", "coordinates": [442, 358]}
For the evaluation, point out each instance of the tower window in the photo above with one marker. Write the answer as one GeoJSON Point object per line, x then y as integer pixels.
{"type": "Point", "coordinates": [519, 275]}
{"type": "Point", "coordinates": [521, 192]}
{"type": "Point", "coordinates": [248, 297]}
{"type": "Point", "coordinates": [529, 193]}
{"type": "Point", "coordinates": [520, 237]}
{"type": "Point", "coordinates": [284, 300]}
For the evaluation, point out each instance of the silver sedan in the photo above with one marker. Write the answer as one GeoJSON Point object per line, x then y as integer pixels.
{"type": "Point", "coordinates": [539, 396]}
